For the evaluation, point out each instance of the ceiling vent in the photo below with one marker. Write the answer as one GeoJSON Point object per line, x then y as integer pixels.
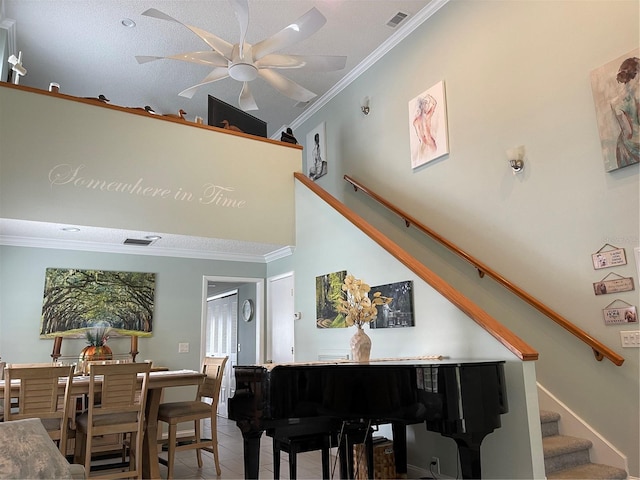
{"type": "Point", "coordinates": [397, 19]}
{"type": "Point", "coordinates": [137, 241]}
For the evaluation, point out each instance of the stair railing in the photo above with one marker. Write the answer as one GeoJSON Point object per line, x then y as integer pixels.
{"type": "Point", "coordinates": [600, 350]}
{"type": "Point", "coordinates": [505, 336]}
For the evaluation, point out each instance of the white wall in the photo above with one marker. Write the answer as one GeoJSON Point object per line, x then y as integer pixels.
{"type": "Point", "coordinates": [515, 73]}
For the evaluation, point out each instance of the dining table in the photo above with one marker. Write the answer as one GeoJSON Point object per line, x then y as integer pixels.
{"type": "Point", "coordinates": [158, 381]}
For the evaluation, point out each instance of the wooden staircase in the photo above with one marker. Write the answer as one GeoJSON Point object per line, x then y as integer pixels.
{"type": "Point", "coordinates": [568, 457]}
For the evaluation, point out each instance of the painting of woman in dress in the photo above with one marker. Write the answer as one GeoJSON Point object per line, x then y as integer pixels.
{"type": "Point", "coordinates": [616, 95]}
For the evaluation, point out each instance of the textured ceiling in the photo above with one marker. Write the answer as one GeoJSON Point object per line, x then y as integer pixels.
{"type": "Point", "coordinates": [83, 46]}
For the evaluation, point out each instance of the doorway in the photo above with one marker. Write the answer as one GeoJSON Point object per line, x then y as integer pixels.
{"type": "Point", "coordinates": [224, 339]}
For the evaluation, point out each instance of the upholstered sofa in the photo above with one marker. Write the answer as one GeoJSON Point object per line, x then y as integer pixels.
{"type": "Point", "coordinates": [28, 452]}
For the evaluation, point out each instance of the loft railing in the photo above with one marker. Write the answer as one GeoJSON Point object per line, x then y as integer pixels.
{"type": "Point", "coordinates": [509, 339]}
{"type": "Point", "coordinates": [600, 350]}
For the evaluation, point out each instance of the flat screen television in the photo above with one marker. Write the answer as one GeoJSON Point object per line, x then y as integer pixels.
{"type": "Point", "coordinates": [223, 115]}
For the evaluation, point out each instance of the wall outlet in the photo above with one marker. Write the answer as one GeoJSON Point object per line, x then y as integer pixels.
{"type": "Point", "coordinates": [630, 339]}
{"type": "Point", "coordinates": [183, 347]}
{"type": "Point", "coordinates": [434, 466]}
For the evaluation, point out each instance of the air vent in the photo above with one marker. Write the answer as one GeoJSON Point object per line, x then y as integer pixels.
{"type": "Point", "coordinates": [137, 241]}
{"type": "Point", "coordinates": [397, 19]}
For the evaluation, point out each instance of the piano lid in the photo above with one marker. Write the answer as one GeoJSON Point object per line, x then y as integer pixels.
{"type": "Point", "coordinates": [408, 361]}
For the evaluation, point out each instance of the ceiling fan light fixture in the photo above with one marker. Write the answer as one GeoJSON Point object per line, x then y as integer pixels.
{"type": "Point", "coordinates": [243, 72]}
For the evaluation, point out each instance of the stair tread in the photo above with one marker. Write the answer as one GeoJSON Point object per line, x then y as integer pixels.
{"type": "Point", "coordinates": [589, 470]}
{"type": "Point", "coordinates": [547, 416]}
{"type": "Point", "coordinates": [555, 445]}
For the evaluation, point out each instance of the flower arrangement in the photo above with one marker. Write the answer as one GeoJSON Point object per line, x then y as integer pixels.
{"type": "Point", "coordinates": [98, 336]}
{"type": "Point", "coordinates": [358, 307]}
{"type": "Point", "coordinates": [97, 348]}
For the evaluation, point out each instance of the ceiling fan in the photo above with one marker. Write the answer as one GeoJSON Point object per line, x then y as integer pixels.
{"type": "Point", "coordinates": [245, 62]}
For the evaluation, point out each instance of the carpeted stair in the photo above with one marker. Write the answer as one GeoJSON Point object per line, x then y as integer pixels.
{"type": "Point", "coordinates": [568, 457]}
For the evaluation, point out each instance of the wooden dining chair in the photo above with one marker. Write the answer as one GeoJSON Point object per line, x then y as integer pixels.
{"type": "Point", "coordinates": [41, 396]}
{"type": "Point", "coordinates": [116, 404]}
{"type": "Point", "coordinates": [205, 406]}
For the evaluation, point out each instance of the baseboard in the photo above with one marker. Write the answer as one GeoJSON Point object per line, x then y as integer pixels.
{"type": "Point", "coordinates": [571, 424]}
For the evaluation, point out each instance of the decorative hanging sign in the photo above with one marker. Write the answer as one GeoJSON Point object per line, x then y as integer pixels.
{"type": "Point", "coordinates": [618, 315]}
{"type": "Point", "coordinates": [612, 257]}
{"type": "Point", "coordinates": [615, 285]}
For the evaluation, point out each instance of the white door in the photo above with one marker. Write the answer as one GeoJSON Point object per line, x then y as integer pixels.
{"type": "Point", "coordinates": [222, 340]}
{"type": "Point", "coordinates": [281, 318]}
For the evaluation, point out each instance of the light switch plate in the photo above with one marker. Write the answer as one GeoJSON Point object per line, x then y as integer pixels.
{"type": "Point", "coordinates": [183, 348]}
{"type": "Point", "coordinates": [630, 339]}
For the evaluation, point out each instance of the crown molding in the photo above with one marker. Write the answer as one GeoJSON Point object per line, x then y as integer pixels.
{"type": "Point", "coordinates": [15, 241]}
{"type": "Point", "coordinates": [412, 23]}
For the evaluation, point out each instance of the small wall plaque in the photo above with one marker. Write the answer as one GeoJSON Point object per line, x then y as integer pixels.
{"type": "Point", "coordinates": [613, 285]}
{"type": "Point", "coordinates": [612, 257]}
{"type": "Point", "coordinates": [619, 315]}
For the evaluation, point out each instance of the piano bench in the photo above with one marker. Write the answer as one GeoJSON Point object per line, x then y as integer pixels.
{"type": "Point", "coordinates": [300, 444]}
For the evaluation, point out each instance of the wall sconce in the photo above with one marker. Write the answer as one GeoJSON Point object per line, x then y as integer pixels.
{"type": "Point", "coordinates": [516, 158]}
{"type": "Point", "coordinates": [365, 106]}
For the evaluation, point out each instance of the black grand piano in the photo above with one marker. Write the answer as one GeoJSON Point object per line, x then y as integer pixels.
{"type": "Point", "coordinates": [460, 400]}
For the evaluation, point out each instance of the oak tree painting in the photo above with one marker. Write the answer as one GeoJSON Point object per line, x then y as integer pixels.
{"type": "Point", "coordinates": [75, 300]}
{"type": "Point", "coordinates": [328, 295]}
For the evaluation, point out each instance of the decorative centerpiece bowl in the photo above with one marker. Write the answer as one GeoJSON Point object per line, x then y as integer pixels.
{"type": "Point", "coordinates": [360, 309]}
{"type": "Point", "coordinates": [97, 348]}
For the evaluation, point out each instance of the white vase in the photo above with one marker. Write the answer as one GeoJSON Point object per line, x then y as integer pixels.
{"type": "Point", "coordinates": [360, 346]}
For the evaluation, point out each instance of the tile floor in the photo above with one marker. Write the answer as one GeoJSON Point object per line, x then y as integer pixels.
{"type": "Point", "coordinates": [231, 459]}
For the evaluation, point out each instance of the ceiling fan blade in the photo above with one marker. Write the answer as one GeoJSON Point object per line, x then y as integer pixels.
{"type": "Point", "coordinates": [214, 76]}
{"type": "Point", "coordinates": [304, 27]}
{"type": "Point", "coordinates": [287, 87]}
{"type": "Point", "coordinates": [213, 59]}
{"type": "Point", "coordinates": [224, 48]}
{"type": "Point", "coordinates": [241, 9]}
{"type": "Point", "coordinates": [319, 63]}
{"type": "Point", "coordinates": [146, 58]}
{"type": "Point", "coordinates": [246, 100]}
{"type": "Point", "coordinates": [210, 58]}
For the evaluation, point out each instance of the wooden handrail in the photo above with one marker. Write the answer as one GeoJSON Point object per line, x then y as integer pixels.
{"type": "Point", "coordinates": [600, 350]}
{"type": "Point", "coordinates": [505, 336]}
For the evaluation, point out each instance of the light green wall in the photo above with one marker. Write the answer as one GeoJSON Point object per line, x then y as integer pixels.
{"type": "Point", "coordinates": [178, 302]}
{"type": "Point", "coordinates": [515, 73]}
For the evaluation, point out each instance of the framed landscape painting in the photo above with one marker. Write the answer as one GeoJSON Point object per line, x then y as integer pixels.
{"type": "Point", "coordinates": [75, 300]}
{"type": "Point", "coordinates": [328, 295]}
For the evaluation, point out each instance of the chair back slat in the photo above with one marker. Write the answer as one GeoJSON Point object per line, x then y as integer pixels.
{"type": "Point", "coordinates": [44, 393]}
{"type": "Point", "coordinates": [213, 368]}
{"type": "Point", "coordinates": [122, 389]}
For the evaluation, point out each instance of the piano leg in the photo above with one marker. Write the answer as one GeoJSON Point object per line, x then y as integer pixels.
{"type": "Point", "coordinates": [469, 453]}
{"type": "Point", "coordinates": [400, 448]}
{"type": "Point", "coordinates": [251, 454]}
